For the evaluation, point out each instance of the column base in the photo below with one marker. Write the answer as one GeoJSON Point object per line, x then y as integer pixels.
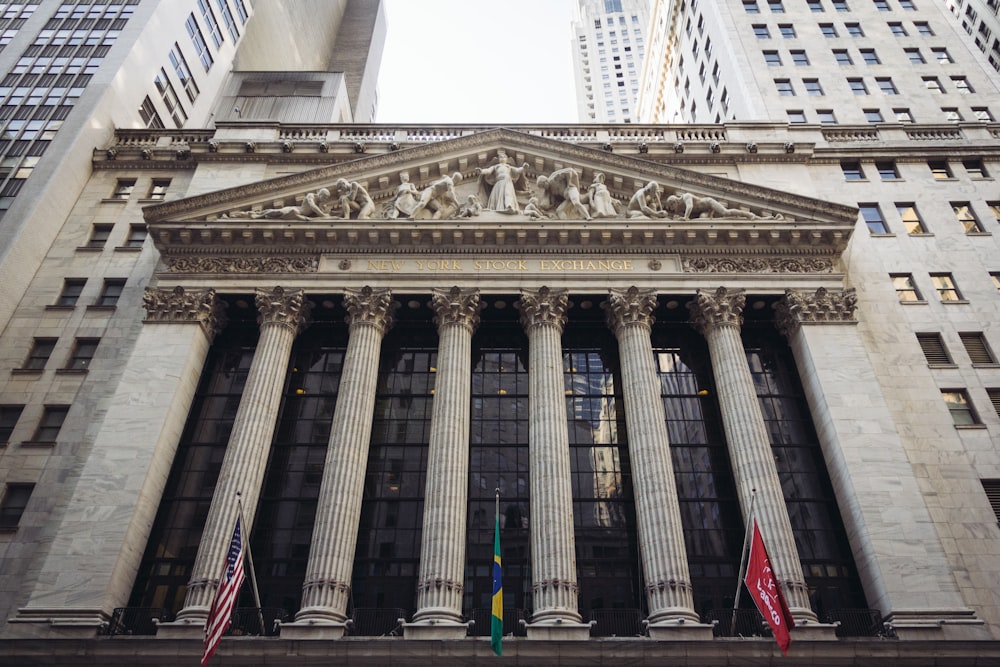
{"type": "Point", "coordinates": [559, 630]}
{"type": "Point", "coordinates": [58, 622]}
{"type": "Point", "coordinates": [937, 624]}
{"type": "Point", "coordinates": [680, 630]}
{"type": "Point", "coordinates": [435, 629]}
{"type": "Point", "coordinates": [313, 629]}
{"type": "Point", "coordinates": [185, 628]}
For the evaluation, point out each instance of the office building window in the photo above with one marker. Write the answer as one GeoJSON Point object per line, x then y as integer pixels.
{"type": "Point", "coordinates": [772, 58]}
{"type": "Point", "coordinates": [944, 285]}
{"type": "Point", "coordinates": [874, 116]}
{"type": "Point", "coordinates": [750, 7]}
{"type": "Point", "coordinates": [886, 85]}
{"type": "Point", "coordinates": [170, 99]}
{"type": "Point", "coordinates": [15, 501]}
{"type": "Point", "coordinates": [940, 169]}
{"type": "Point", "coordinates": [111, 292]}
{"type": "Point", "coordinates": [907, 5]}
{"type": "Point", "coordinates": [951, 114]}
{"type": "Point", "coordinates": [38, 356]}
{"type": "Point", "coordinates": [961, 84]}
{"type": "Point", "coordinates": [842, 57]}
{"type": "Point", "coordinates": [982, 113]}
{"type": "Point", "coordinates": [799, 58]}
{"type": "Point", "coordinates": [227, 18]}
{"type": "Point", "coordinates": [933, 347]}
{"type": "Point", "coordinates": [897, 29]}
{"type": "Point", "coordinates": [828, 29]}
{"type": "Point", "coordinates": [941, 55]}
{"type": "Point", "coordinates": [882, 5]}
{"type": "Point", "coordinates": [158, 189]}
{"type": "Point", "coordinates": [852, 170]}
{"type": "Point", "coordinates": [995, 210]}
{"type": "Point", "coordinates": [796, 116]}
{"type": "Point", "coordinates": [784, 87]}
{"type": "Point", "coordinates": [923, 28]}
{"type": "Point", "coordinates": [51, 423]}
{"type": "Point", "coordinates": [974, 168]}
{"type": "Point", "coordinates": [854, 29]}
{"type": "Point", "coordinates": [776, 6]}
{"type": "Point", "coordinates": [914, 56]}
{"type": "Point", "coordinates": [183, 72]}
{"type": "Point", "coordinates": [903, 115]}
{"type": "Point", "coordinates": [886, 168]}
{"type": "Point", "coordinates": [71, 291]}
{"type": "Point", "coordinates": [826, 116]}
{"type": "Point", "coordinates": [200, 47]}
{"type": "Point", "coordinates": [83, 353]}
{"type": "Point", "coordinates": [977, 348]}
{"type": "Point", "coordinates": [812, 86]}
{"type": "Point", "coordinates": [906, 289]}
{"type": "Point", "coordinates": [761, 31]}
{"type": "Point", "coordinates": [815, 6]}
{"type": "Point", "coordinates": [149, 116]}
{"type": "Point", "coordinates": [241, 11]}
{"type": "Point", "coordinates": [136, 236]}
{"type": "Point", "coordinates": [841, 6]}
{"type": "Point", "coordinates": [787, 30]}
{"type": "Point", "coordinates": [872, 215]}
{"type": "Point", "coordinates": [911, 219]}
{"type": "Point", "coordinates": [870, 57]}
{"type": "Point", "coordinates": [959, 406]}
{"type": "Point", "coordinates": [9, 414]}
{"type": "Point", "coordinates": [858, 86]}
{"type": "Point", "coordinates": [967, 218]}
{"type": "Point", "coordinates": [994, 395]}
{"type": "Point", "coordinates": [995, 277]}
{"type": "Point", "coordinates": [99, 235]}
{"type": "Point", "coordinates": [123, 188]}
{"type": "Point", "coordinates": [213, 26]}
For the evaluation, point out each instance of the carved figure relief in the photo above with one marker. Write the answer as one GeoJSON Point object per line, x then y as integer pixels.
{"type": "Point", "coordinates": [645, 203]}
{"type": "Point", "coordinates": [498, 184]}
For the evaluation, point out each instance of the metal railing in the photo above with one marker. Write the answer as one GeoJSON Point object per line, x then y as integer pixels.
{"type": "Point", "coordinates": [135, 620]}
{"type": "Point", "coordinates": [857, 622]}
{"type": "Point", "coordinates": [742, 623]}
{"type": "Point", "coordinates": [246, 622]}
{"type": "Point", "coordinates": [616, 623]}
{"type": "Point", "coordinates": [369, 622]}
{"type": "Point", "coordinates": [514, 623]}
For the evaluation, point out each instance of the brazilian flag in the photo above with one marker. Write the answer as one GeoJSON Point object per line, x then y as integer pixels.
{"type": "Point", "coordinates": [496, 626]}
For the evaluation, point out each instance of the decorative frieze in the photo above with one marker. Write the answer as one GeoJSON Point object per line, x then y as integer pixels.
{"type": "Point", "coordinates": [800, 307]}
{"type": "Point", "coordinates": [180, 305]}
{"type": "Point", "coordinates": [757, 265]}
{"type": "Point", "coordinates": [544, 306]}
{"type": "Point", "coordinates": [719, 308]}
{"type": "Point", "coordinates": [248, 264]}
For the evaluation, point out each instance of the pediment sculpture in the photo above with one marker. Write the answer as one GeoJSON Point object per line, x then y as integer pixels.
{"type": "Point", "coordinates": [502, 188]}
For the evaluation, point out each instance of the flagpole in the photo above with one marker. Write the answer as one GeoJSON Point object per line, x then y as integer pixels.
{"type": "Point", "coordinates": [253, 575]}
{"type": "Point", "coordinates": [743, 559]}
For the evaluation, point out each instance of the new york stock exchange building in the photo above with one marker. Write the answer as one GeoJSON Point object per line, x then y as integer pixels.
{"type": "Point", "coordinates": [363, 336]}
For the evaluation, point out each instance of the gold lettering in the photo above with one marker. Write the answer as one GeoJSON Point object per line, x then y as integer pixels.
{"type": "Point", "coordinates": [628, 264]}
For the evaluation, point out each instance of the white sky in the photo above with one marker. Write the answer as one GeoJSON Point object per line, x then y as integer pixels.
{"type": "Point", "coordinates": [477, 61]}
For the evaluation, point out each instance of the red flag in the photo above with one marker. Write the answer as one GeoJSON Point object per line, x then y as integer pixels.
{"type": "Point", "coordinates": [225, 598]}
{"type": "Point", "coordinates": [766, 593]}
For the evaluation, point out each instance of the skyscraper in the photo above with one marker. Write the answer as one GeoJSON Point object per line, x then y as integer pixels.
{"type": "Point", "coordinates": [607, 58]}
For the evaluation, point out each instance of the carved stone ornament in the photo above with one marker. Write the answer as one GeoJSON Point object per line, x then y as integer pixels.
{"type": "Point", "coordinates": [293, 264]}
{"type": "Point", "coordinates": [286, 308]}
{"type": "Point", "coordinates": [438, 583]}
{"type": "Point", "coordinates": [800, 307]}
{"type": "Point", "coordinates": [341, 587]}
{"type": "Point", "coordinates": [757, 265]}
{"type": "Point", "coordinates": [544, 307]}
{"type": "Point", "coordinates": [370, 306]}
{"type": "Point", "coordinates": [456, 306]}
{"type": "Point", "coordinates": [723, 307]}
{"type": "Point", "coordinates": [178, 305]}
{"type": "Point", "coordinates": [633, 306]}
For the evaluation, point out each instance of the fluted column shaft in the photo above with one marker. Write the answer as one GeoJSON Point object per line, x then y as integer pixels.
{"type": "Point", "coordinates": [282, 315]}
{"type": "Point", "coordinates": [718, 316]}
{"type": "Point", "coordinates": [442, 550]}
{"type": "Point", "coordinates": [553, 557]}
{"type": "Point", "coordinates": [661, 533]}
{"type": "Point", "coordinates": [327, 585]}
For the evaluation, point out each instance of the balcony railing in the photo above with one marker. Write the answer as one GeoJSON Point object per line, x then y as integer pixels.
{"type": "Point", "coordinates": [514, 623]}
{"type": "Point", "coordinates": [738, 623]}
{"type": "Point", "coordinates": [368, 622]}
{"type": "Point", "coordinates": [246, 621]}
{"type": "Point", "coordinates": [135, 620]}
{"type": "Point", "coordinates": [617, 623]}
{"type": "Point", "coordinates": [857, 622]}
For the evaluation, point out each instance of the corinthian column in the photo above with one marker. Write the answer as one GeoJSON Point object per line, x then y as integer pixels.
{"type": "Point", "coordinates": [718, 315]}
{"type": "Point", "coordinates": [553, 554]}
{"type": "Point", "coordinates": [661, 534]}
{"type": "Point", "coordinates": [442, 548]}
{"type": "Point", "coordinates": [327, 584]}
{"type": "Point", "coordinates": [282, 315]}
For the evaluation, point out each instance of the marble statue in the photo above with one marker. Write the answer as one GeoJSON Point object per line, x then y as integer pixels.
{"type": "Point", "coordinates": [353, 199]}
{"type": "Point", "coordinates": [406, 199]}
{"type": "Point", "coordinates": [532, 211]}
{"type": "Point", "coordinates": [602, 204]}
{"type": "Point", "coordinates": [471, 208]}
{"type": "Point", "coordinates": [560, 192]}
{"type": "Point", "coordinates": [498, 185]}
{"type": "Point", "coordinates": [687, 206]}
{"type": "Point", "coordinates": [439, 197]}
{"type": "Point", "coordinates": [314, 205]}
{"type": "Point", "coordinates": [645, 203]}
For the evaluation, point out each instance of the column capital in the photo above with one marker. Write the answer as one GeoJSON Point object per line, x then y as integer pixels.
{"type": "Point", "coordinates": [633, 306]}
{"type": "Point", "coordinates": [455, 306]}
{"type": "Point", "coordinates": [801, 307]}
{"type": "Point", "coordinates": [544, 306]}
{"type": "Point", "coordinates": [370, 306]}
{"type": "Point", "coordinates": [287, 308]}
{"type": "Point", "coordinates": [179, 305]}
{"type": "Point", "coordinates": [723, 307]}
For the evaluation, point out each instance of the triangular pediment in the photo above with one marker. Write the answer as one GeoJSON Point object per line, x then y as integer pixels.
{"type": "Point", "coordinates": [499, 187]}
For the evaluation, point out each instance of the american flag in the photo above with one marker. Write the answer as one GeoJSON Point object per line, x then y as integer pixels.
{"type": "Point", "coordinates": [229, 589]}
